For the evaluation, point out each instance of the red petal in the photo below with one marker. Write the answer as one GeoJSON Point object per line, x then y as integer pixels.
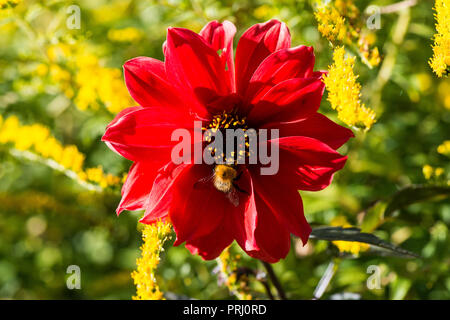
{"type": "Point", "coordinates": [255, 45]}
{"type": "Point", "coordinates": [319, 74]}
{"type": "Point", "coordinates": [145, 133]}
{"type": "Point", "coordinates": [220, 37]}
{"type": "Point", "coordinates": [245, 216]}
{"type": "Point", "coordinates": [117, 118]}
{"type": "Point", "coordinates": [196, 212]}
{"type": "Point", "coordinates": [284, 202]}
{"type": "Point", "coordinates": [318, 127]}
{"type": "Point", "coordinates": [307, 163]}
{"type": "Point", "coordinates": [281, 65]}
{"type": "Point", "coordinates": [160, 198]}
{"type": "Point", "coordinates": [123, 113]}
{"type": "Point", "coordinates": [193, 66]}
{"type": "Point", "coordinates": [147, 83]}
{"type": "Point", "coordinates": [211, 245]}
{"type": "Point", "coordinates": [291, 100]}
{"type": "Point", "coordinates": [227, 104]}
{"type": "Point", "coordinates": [137, 186]}
{"type": "Point", "coordinates": [272, 237]}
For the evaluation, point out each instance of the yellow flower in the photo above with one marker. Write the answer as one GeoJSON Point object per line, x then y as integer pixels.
{"type": "Point", "coordinates": [339, 22]}
{"type": "Point", "coordinates": [37, 138]}
{"type": "Point", "coordinates": [372, 58]}
{"type": "Point", "coordinates": [427, 171]}
{"type": "Point", "coordinates": [437, 174]}
{"type": "Point", "coordinates": [8, 3]}
{"type": "Point", "coordinates": [344, 92]}
{"type": "Point", "coordinates": [331, 23]}
{"type": "Point", "coordinates": [347, 8]}
{"type": "Point", "coordinates": [154, 236]}
{"type": "Point", "coordinates": [94, 84]}
{"type": "Point", "coordinates": [423, 81]}
{"type": "Point", "coordinates": [9, 129]}
{"type": "Point", "coordinates": [228, 265]}
{"type": "Point", "coordinates": [444, 148]}
{"type": "Point", "coordinates": [94, 174]}
{"type": "Point", "coordinates": [129, 34]}
{"type": "Point", "coordinates": [59, 52]}
{"type": "Point", "coordinates": [265, 11]}
{"type": "Point", "coordinates": [440, 61]}
{"type": "Point", "coordinates": [41, 70]}
{"type": "Point", "coordinates": [444, 92]}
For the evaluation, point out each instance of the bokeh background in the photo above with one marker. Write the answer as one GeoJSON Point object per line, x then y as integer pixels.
{"type": "Point", "coordinates": [70, 81]}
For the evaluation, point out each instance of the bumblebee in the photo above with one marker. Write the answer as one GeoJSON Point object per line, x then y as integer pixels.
{"type": "Point", "coordinates": [224, 179]}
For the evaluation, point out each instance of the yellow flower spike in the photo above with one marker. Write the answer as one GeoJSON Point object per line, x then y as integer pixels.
{"type": "Point", "coordinates": [338, 21]}
{"type": "Point", "coordinates": [228, 265]}
{"type": "Point", "coordinates": [82, 176]}
{"type": "Point", "coordinates": [9, 3]}
{"type": "Point", "coordinates": [58, 52]}
{"type": "Point", "coordinates": [67, 156]}
{"type": "Point", "coordinates": [444, 92]}
{"type": "Point", "coordinates": [37, 139]}
{"type": "Point", "coordinates": [154, 237]}
{"type": "Point", "coordinates": [344, 92]}
{"type": "Point", "coordinates": [9, 129]}
{"type": "Point", "coordinates": [56, 152]}
{"type": "Point", "coordinates": [331, 23]}
{"type": "Point", "coordinates": [59, 75]}
{"type": "Point", "coordinates": [78, 160]}
{"type": "Point", "coordinates": [26, 141]}
{"type": "Point", "coordinates": [41, 70]}
{"type": "Point", "coordinates": [440, 61]}
{"type": "Point", "coordinates": [95, 174]}
{"type": "Point", "coordinates": [77, 79]}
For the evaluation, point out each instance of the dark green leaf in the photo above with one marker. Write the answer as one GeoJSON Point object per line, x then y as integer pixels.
{"type": "Point", "coordinates": [416, 193]}
{"type": "Point", "coordinates": [355, 234]}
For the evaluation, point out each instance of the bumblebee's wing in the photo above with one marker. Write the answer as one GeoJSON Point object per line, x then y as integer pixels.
{"type": "Point", "coordinates": [233, 196]}
{"type": "Point", "coordinates": [203, 182]}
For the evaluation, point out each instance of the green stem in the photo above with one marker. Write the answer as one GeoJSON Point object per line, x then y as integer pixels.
{"type": "Point", "coordinates": [273, 277]}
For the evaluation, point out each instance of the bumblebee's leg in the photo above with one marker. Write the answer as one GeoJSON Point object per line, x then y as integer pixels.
{"type": "Point", "coordinates": [238, 176]}
{"type": "Point", "coordinates": [239, 189]}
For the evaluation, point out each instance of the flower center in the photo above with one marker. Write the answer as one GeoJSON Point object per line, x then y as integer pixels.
{"type": "Point", "coordinates": [238, 128]}
{"type": "Point", "coordinates": [227, 121]}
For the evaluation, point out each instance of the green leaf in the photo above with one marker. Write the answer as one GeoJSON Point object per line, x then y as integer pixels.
{"type": "Point", "coordinates": [400, 288]}
{"type": "Point", "coordinates": [355, 234]}
{"type": "Point", "coordinates": [416, 193]}
{"type": "Point", "coordinates": [373, 217]}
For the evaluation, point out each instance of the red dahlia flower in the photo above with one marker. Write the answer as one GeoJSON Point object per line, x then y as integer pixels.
{"type": "Point", "coordinates": [271, 86]}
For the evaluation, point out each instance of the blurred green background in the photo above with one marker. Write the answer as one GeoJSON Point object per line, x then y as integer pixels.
{"type": "Point", "coordinates": [48, 221]}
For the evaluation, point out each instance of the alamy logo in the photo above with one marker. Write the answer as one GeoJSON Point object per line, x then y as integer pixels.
{"type": "Point", "coordinates": [74, 20]}
{"type": "Point", "coordinates": [374, 20]}
{"type": "Point", "coordinates": [74, 280]}
{"type": "Point", "coordinates": [227, 146]}
{"type": "Point", "coordinates": [374, 281]}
